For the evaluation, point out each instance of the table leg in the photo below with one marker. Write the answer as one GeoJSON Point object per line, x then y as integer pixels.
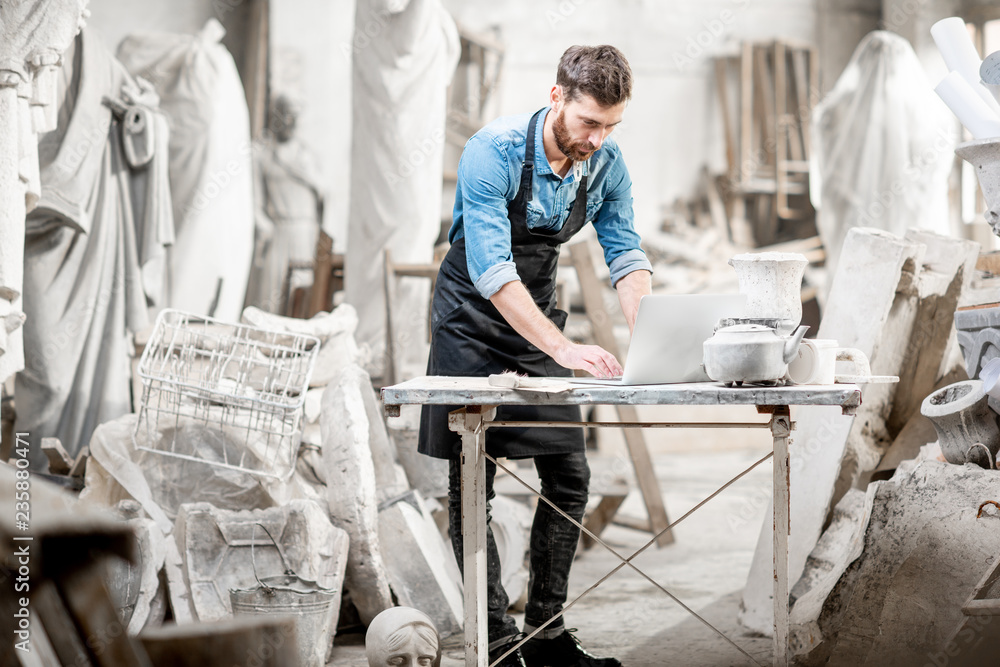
{"type": "Point", "coordinates": [781, 426]}
{"type": "Point", "coordinates": [469, 423]}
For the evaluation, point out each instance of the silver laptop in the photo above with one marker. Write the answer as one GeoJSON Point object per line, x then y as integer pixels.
{"type": "Point", "coordinates": [667, 340]}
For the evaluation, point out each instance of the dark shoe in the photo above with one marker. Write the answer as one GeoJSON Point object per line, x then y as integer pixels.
{"type": "Point", "coordinates": [563, 650]}
{"type": "Point", "coordinates": [497, 649]}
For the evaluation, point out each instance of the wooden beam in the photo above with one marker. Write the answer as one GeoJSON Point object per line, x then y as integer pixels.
{"type": "Point", "coordinates": [391, 373]}
{"type": "Point", "coordinates": [764, 87]}
{"type": "Point", "coordinates": [255, 65]}
{"type": "Point", "coordinates": [321, 294]}
{"type": "Point", "coordinates": [270, 639]}
{"type": "Point", "coordinates": [599, 518]}
{"type": "Point", "coordinates": [721, 86]}
{"type": "Point", "coordinates": [803, 95]}
{"type": "Point", "coordinates": [715, 206]}
{"type": "Point", "coordinates": [58, 624]}
{"type": "Point", "coordinates": [746, 114]}
{"type": "Point", "coordinates": [59, 459]}
{"type": "Point", "coordinates": [989, 262]}
{"type": "Point", "coordinates": [81, 587]}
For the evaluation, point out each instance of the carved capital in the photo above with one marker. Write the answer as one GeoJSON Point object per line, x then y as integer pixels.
{"type": "Point", "coordinates": [10, 79]}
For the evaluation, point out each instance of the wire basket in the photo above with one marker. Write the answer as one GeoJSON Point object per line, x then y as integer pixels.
{"type": "Point", "coordinates": [229, 395]}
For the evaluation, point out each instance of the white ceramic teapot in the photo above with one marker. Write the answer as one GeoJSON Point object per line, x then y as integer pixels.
{"type": "Point", "coordinates": [742, 352]}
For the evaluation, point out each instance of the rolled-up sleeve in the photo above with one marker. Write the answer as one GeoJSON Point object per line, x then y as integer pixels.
{"type": "Point", "coordinates": [616, 229]}
{"type": "Point", "coordinates": [484, 180]}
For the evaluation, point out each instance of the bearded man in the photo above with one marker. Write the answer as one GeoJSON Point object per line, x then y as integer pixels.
{"type": "Point", "coordinates": [526, 185]}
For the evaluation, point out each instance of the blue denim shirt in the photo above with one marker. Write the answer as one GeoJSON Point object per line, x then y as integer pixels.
{"type": "Point", "coordinates": [489, 175]}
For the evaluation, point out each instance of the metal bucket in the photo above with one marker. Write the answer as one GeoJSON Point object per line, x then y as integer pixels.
{"type": "Point", "coordinates": [288, 594]}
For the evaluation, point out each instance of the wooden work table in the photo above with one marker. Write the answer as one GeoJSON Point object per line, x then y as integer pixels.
{"type": "Point", "coordinates": [479, 400]}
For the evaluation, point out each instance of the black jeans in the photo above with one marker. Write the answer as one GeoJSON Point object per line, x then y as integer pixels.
{"type": "Point", "coordinates": [565, 479]}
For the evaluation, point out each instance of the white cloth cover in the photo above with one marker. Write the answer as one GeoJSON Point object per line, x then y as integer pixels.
{"type": "Point", "coordinates": [211, 174]}
{"type": "Point", "coordinates": [99, 226]}
{"type": "Point", "coordinates": [405, 52]}
{"type": "Point", "coordinates": [882, 147]}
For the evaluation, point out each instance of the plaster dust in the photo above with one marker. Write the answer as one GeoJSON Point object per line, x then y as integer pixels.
{"type": "Point", "coordinates": [706, 567]}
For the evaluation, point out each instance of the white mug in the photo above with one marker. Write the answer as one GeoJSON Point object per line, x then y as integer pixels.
{"type": "Point", "coordinates": [816, 361]}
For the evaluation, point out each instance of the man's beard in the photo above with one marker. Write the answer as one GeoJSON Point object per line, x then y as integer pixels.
{"type": "Point", "coordinates": [574, 151]}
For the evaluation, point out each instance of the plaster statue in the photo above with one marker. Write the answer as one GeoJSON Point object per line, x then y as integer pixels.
{"type": "Point", "coordinates": [405, 52]}
{"type": "Point", "coordinates": [289, 212]}
{"type": "Point", "coordinates": [211, 165]}
{"type": "Point", "coordinates": [402, 637]}
{"type": "Point", "coordinates": [96, 238]}
{"type": "Point", "coordinates": [33, 35]}
{"type": "Point", "coordinates": [882, 147]}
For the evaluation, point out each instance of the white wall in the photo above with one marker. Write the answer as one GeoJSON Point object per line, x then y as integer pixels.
{"type": "Point", "coordinates": [114, 19]}
{"type": "Point", "coordinates": [671, 127]}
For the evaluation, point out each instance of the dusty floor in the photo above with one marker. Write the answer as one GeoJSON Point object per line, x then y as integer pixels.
{"type": "Point", "coordinates": [706, 567]}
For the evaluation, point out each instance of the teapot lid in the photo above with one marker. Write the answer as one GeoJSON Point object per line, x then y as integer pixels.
{"type": "Point", "coordinates": [745, 328]}
{"type": "Point", "coordinates": [767, 322]}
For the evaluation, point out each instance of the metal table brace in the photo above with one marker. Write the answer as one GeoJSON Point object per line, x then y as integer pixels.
{"type": "Point", "coordinates": [472, 421]}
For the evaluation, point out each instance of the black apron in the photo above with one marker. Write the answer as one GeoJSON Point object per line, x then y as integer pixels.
{"type": "Point", "coordinates": [469, 336]}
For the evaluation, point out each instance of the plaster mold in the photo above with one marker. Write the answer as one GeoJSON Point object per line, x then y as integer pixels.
{"type": "Point", "coordinates": [216, 549]}
{"type": "Point", "coordinates": [415, 557]}
{"type": "Point", "coordinates": [350, 476]}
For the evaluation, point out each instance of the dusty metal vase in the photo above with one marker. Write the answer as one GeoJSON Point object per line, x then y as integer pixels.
{"type": "Point", "coordinates": [962, 418]}
{"type": "Point", "coordinates": [772, 284]}
{"type": "Point", "coordinates": [984, 155]}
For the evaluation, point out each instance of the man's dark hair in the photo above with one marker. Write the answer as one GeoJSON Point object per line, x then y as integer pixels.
{"type": "Point", "coordinates": [599, 71]}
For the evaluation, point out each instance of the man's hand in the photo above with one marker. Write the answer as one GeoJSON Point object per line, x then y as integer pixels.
{"type": "Point", "coordinates": [631, 289]}
{"type": "Point", "coordinates": [591, 358]}
{"type": "Point", "coordinates": [519, 309]}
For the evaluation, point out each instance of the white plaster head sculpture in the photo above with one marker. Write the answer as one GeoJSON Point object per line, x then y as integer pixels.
{"type": "Point", "coordinates": [402, 637]}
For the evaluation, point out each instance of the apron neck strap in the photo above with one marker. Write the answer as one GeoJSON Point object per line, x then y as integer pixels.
{"type": "Point", "coordinates": [527, 171]}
